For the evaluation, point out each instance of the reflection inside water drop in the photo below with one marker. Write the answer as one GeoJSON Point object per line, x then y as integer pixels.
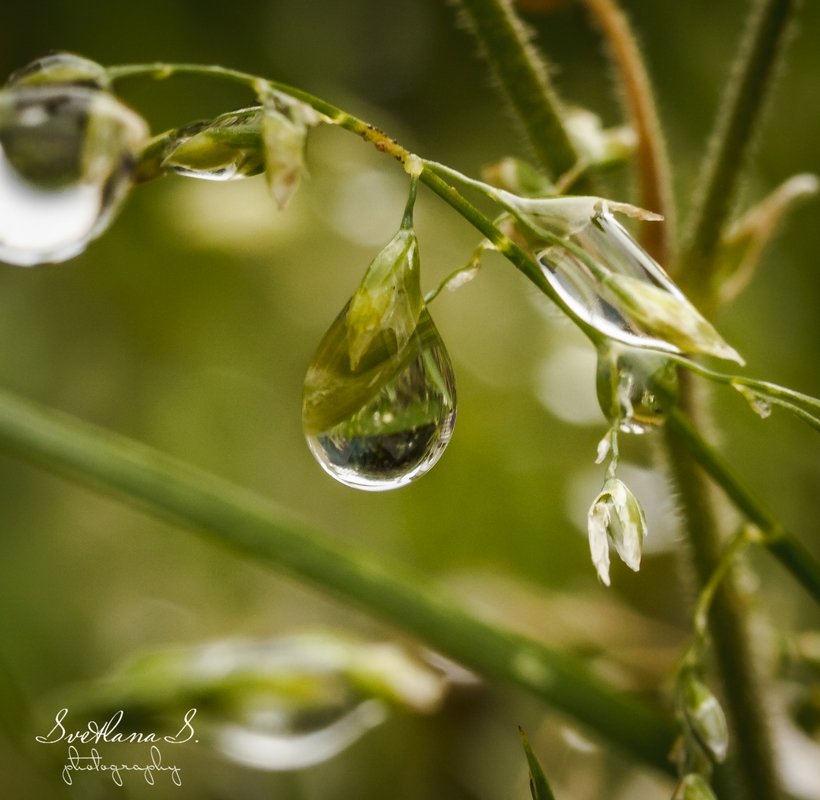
{"type": "Point", "coordinates": [224, 149]}
{"type": "Point", "coordinates": [37, 223]}
{"type": "Point", "coordinates": [635, 388]}
{"type": "Point", "coordinates": [386, 423]}
{"type": "Point", "coordinates": [66, 153]}
{"type": "Point", "coordinates": [605, 241]}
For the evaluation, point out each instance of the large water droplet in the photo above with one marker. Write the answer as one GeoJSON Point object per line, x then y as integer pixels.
{"type": "Point", "coordinates": [387, 422]}
{"type": "Point", "coordinates": [66, 154]}
{"type": "Point", "coordinates": [604, 241]}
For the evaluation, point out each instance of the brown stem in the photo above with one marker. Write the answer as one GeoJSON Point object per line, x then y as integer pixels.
{"type": "Point", "coordinates": [654, 182]}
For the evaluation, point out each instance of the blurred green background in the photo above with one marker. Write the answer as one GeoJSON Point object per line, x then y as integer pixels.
{"type": "Point", "coordinates": [190, 324]}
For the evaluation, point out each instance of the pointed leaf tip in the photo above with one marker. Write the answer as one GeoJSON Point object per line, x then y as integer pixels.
{"type": "Point", "coordinates": [539, 788]}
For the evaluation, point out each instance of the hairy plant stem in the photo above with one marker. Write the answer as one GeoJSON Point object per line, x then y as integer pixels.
{"type": "Point", "coordinates": [523, 79]}
{"type": "Point", "coordinates": [654, 181]}
{"type": "Point", "coordinates": [739, 120]}
{"type": "Point", "coordinates": [271, 535]}
{"type": "Point", "coordinates": [740, 115]}
{"type": "Point", "coordinates": [782, 544]}
{"type": "Point", "coordinates": [754, 769]}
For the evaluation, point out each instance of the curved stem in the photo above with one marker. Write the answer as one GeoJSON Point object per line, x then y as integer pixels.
{"type": "Point", "coordinates": [271, 535]}
{"type": "Point", "coordinates": [741, 112]}
{"type": "Point", "coordinates": [654, 181]}
{"type": "Point", "coordinates": [703, 607]}
{"type": "Point", "coordinates": [804, 406]}
{"type": "Point", "coordinates": [425, 170]}
{"type": "Point", "coordinates": [782, 545]}
{"type": "Point", "coordinates": [260, 86]}
{"type": "Point", "coordinates": [524, 80]}
{"type": "Point", "coordinates": [519, 258]}
{"type": "Point", "coordinates": [753, 760]}
{"type": "Point", "coordinates": [780, 542]}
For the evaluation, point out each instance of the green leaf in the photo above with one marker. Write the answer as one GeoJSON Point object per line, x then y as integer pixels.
{"type": "Point", "coordinates": [539, 788]}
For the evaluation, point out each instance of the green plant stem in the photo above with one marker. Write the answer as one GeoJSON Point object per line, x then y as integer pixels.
{"type": "Point", "coordinates": [260, 529]}
{"type": "Point", "coordinates": [738, 121]}
{"type": "Point", "coordinates": [754, 768]}
{"type": "Point", "coordinates": [784, 547]}
{"type": "Point", "coordinates": [791, 553]}
{"type": "Point", "coordinates": [523, 79]}
{"type": "Point", "coordinates": [654, 181]}
{"type": "Point", "coordinates": [385, 144]}
{"type": "Point", "coordinates": [743, 696]}
{"type": "Point", "coordinates": [741, 112]}
{"type": "Point", "coordinates": [787, 549]}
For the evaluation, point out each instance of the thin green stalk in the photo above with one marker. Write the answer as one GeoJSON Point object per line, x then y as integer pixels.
{"type": "Point", "coordinates": [786, 549]}
{"type": "Point", "coordinates": [523, 79]}
{"type": "Point", "coordinates": [738, 122]}
{"type": "Point", "coordinates": [780, 542]}
{"type": "Point", "coordinates": [752, 754]}
{"type": "Point", "coordinates": [652, 163]}
{"type": "Point", "coordinates": [271, 535]}
{"type": "Point", "coordinates": [425, 170]}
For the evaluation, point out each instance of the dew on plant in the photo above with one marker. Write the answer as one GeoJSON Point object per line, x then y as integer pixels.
{"type": "Point", "coordinates": [759, 404]}
{"type": "Point", "coordinates": [391, 421]}
{"type": "Point", "coordinates": [62, 68]}
{"type": "Point", "coordinates": [635, 388]}
{"type": "Point", "coordinates": [224, 149]}
{"type": "Point", "coordinates": [379, 402]}
{"type": "Point", "coordinates": [610, 282]}
{"type": "Point", "coordinates": [65, 158]}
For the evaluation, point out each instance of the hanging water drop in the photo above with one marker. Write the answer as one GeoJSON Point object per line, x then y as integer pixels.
{"type": "Point", "coordinates": [386, 422]}
{"type": "Point", "coordinates": [66, 155]}
{"type": "Point", "coordinates": [757, 402]}
{"type": "Point", "coordinates": [635, 388]}
{"type": "Point", "coordinates": [379, 402]}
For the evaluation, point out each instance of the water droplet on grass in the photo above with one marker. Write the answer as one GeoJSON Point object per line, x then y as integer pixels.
{"type": "Point", "coordinates": [759, 404]}
{"type": "Point", "coordinates": [66, 153]}
{"type": "Point", "coordinates": [224, 149]}
{"type": "Point", "coordinates": [386, 422]}
{"type": "Point", "coordinates": [609, 281]}
{"type": "Point", "coordinates": [635, 388]}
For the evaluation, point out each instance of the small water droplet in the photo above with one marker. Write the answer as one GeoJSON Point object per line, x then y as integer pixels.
{"type": "Point", "coordinates": [65, 158]}
{"type": "Point", "coordinates": [635, 388]}
{"type": "Point", "coordinates": [387, 422]}
{"type": "Point", "coordinates": [604, 240]}
{"type": "Point", "coordinates": [759, 404]}
{"type": "Point", "coordinates": [223, 149]}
